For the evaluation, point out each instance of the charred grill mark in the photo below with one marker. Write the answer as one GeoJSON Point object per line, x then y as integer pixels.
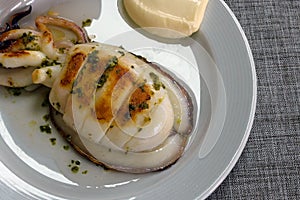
{"type": "Point", "coordinates": [6, 46]}
{"type": "Point", "coordinates": [87, 79]}
{"type": "Point", "coordinates": [16, 54]}
{"type": "Point", "coordinates": [47, 35]}
{"type": "Point", "coordinates": [4, 36]}
{"type": "Point", "coordinates": [139, 100]}
{"type": "Point", "coordinates": [103, 104]}
{"type": "Point", "coordinates": [74, 64]}
{"type": "Point", "coordinates": [27, 41]}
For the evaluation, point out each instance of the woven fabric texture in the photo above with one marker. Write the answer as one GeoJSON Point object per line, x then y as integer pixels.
{"type": "Point", "coordinates": [269, 167]}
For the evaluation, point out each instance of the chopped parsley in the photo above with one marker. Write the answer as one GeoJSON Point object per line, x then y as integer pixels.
{"type": "Point", "coordinates": [157, 84]}
{"type": "Point", "coordinates": [143, 106]}
{"type": "Point", "coordinates": [45, 102]}
{"type": "Point", "coordinates": [46, 62]}
{"type": "Point", "coordinates": [15, 91]}
{"type": "Point", "coordinates": [53, 141]}
{"type": "Point", "coordinates": [49, 73]}
{"type": "Point", "coordinates": [77, 162]}
{"type": "Point", "coordinates": [75, 169]}
{"type": "Point", "coordinates": [111, 63]}
{"type": "Point", "coordinates": [102, 80]}
{"type": "Point", "coordinates": [77, 91]}
{"type": "Point", "coordinates": [46, 129]}
{"type": "Point", "coordinates": [28, 37]}
{"type": "Point", "coordinates": [132, 107]}
{"type": "Point", "coordinates": [108, 68]}
{"type": "Point", "coordinates": [178, 121]}
{"type": "Point", "coordinates": [46, 117]}
{"type": "Point", "coordinates": [66, 147]}
{"type": "Point", "coordinates": [29, 41]}
{"type": "Point", "coordinates": [147, 119]}
{"type": "Point", "coordinates": [62, 50]}
{"type": "Point", "coordinates": [93, 59]}
{"type": "Point", "coordinates": [56, 105]}
{"type": "Point", "coordinates": [86, 23]}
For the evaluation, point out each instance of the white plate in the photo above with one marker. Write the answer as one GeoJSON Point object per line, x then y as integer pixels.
{"type": "Point", "coordinates": [32, 168]}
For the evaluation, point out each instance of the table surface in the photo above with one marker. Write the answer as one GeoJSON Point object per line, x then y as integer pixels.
{"type": "Point", "coordinates": [269, 167]}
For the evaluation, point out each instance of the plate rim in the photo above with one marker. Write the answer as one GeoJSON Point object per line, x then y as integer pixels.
{"type": "Point", "coordinates": [247, 132]}
{"type": "Point", "coordinates": [245, 138]}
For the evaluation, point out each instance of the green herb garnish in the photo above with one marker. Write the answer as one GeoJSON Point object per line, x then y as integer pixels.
{"type": "Point", "coordinates": [86, 23]}
{"type": "Point", "coordinates": [15, 91]}
{"type": "Point", "coordinates": [66, 147]}
{"type": "Point", "coordinates": [108, 68]}
{"type": "Point", "coordinates": [157, 84]}
{"type": "Point", "coordinates": [53, 141]}
{"type": "Point", "coordinates": [46, 117]}
{"type": "Point", "coordinates": [75, 169]}
{"type": "Point", "coordinates": [46, 129]}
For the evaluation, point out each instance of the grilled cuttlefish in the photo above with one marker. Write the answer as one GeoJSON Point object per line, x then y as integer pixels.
{"type": "Point", "coordinates": [120, 110]}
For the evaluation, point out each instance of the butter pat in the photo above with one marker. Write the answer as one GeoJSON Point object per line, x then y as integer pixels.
{"type": "Point", "coordinates": [167, 18]}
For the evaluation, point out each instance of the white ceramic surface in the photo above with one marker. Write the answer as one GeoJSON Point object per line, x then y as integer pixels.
{"type": "Point", "coordinates": [31, 168]}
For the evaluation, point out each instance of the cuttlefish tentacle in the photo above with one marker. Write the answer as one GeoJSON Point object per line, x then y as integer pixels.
{"type": "Point", "coordinates": [43, 49]}
{"type": "Point", "coordinates": [13, 22]}
{"type": "Point", "coordinates": [14, 19]}
{"type": "Point", "coordinates": [5, 29]}
{"type": "Point", "coordinates": [48, 45]}
{"type": "Point", "coordinates": [5, 43]}
{"type": "Point", "coordinates": [42, 22]}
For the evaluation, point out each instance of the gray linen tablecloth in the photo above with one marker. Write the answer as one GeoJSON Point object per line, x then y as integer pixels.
{"type": "Point", "coordinates": [269, 167]}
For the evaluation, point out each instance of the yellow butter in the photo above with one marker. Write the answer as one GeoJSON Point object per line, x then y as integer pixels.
{"type": "Point", "coordinates": [183, 17]}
